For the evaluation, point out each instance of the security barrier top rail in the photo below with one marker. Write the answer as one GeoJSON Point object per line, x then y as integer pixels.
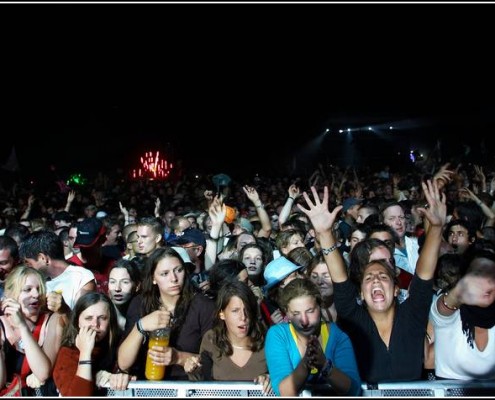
{"type": "Point", "coordinates": [193, 389]}
{"type": "Point", "coordinates": [437, 388]}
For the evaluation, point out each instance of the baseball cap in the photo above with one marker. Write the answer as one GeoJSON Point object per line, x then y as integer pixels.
{"type": "Point", "coordinates": [182, 253]}
{"type": "Point", "coordinates": [101, 214]}
{"type": "Point", "coordinates": [190, 235]}
{"type": "Point", "coordinates": [350, 202]}
{"type": "Point", "coordinates": [277, 270]}
{"type": "Point", "coordinates": [89, 230]}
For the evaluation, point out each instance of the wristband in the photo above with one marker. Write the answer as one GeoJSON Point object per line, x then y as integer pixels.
{"type": "Point", "coordinates": [292, 198]}
{"type": "Point", "coordinates": [139, 327]}
{"type": "Point", "coordinates": [85, 362]}
{"type": "Point", "coordinates": [328, 250]}
{"type": "Point", "coordinates": [327, 369]}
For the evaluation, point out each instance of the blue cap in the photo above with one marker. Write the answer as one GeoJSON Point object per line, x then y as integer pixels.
{"type": "Point", "coordinates": [350, 202]}
{"type": "Point", "coordinates": [277, 270]}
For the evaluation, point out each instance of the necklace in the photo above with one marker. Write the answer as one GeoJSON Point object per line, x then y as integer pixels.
{"type": "Point", "coordinates": [240, 347]}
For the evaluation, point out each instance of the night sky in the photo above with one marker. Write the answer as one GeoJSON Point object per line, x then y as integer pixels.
{"type": "Point", "coordinates": [235, 88]}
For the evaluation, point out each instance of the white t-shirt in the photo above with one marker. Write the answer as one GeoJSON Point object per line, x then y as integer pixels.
{"type": "Point", "coordinates": [454, 357]}
{"type": "Point", "coordinates": [70, 283]}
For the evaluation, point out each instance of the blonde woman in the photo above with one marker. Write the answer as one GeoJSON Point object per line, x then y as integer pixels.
{"type": "Point", "coordinates": [30, 337]}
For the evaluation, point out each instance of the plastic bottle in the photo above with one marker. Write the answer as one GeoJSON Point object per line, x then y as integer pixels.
{"type": "Point", "coordinates": [160, 337]}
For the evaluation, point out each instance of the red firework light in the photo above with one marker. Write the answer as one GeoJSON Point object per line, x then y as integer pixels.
{"type": "Point", "coordinates": [152, 167]}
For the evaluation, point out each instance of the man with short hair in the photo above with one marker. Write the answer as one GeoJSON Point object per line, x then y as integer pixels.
{"type": "Point", "coordinates": [460, 235]}
{"type": "Point", "coordinates": [44, 251]}
{"type": "Point", "coordinates": [194, 242]}
{"type": "Point", "coordinates": [406, 252]}
{"type": "Point", "coordinates": [150, 235]}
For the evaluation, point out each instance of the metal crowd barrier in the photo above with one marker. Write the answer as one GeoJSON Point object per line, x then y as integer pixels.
{"type": "Point", "coordinates": [193, 389]}
{"type": "Point", "coordinates": [435, 388]}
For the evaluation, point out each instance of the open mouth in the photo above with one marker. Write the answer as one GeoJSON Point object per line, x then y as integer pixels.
{"type": "Point", "coordinates": [377, 294]}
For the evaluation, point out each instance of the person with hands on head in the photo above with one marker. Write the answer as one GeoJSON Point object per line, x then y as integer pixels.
{"type": "Point", "coordinates": [29, 335]}
{"type": "Point", "coordinates": [234, 349]}
{"type": "Point", "coordinates": [167, 299]}
{"type": "Point", "coordinates": [86, 362]}
{"type": "Point", "coordinates": [307, 350]}
{"type": "Point", "coordinates": [388, 337]}
{"type": "Point", "coordinates": [463, 318]}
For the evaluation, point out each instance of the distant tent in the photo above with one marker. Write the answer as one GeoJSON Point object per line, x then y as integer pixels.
{"type": "Point", "coordinates": [12, 164]}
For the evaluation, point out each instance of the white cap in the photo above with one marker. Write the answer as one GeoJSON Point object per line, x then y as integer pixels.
{"type": "Point", "coordinates": [101, 214]}
{"type": "Point", "coordinates": [183, 254]}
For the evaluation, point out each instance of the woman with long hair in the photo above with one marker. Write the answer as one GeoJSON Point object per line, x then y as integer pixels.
{"type": "Point", "coordinates": [388, 336]}
{"type": "Point", "coordinates": [307, 349]}
{"type": "Point", "coordinates": [167, 300]}
{"type": "Point", "coordinates": [234, 349]}
{"type": "Point", "coordinates": [87, 359]}
{"type": "Point", "coordinates": [124, 280]}
{"type": "Point", "coordinates": [30, 337]}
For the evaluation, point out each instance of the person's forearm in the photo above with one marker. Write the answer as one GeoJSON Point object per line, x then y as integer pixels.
{"type": "Point", "coordinates": [292, 384]}
{"type": "Point", "coordinates": [285, 212]}
{"type": "Point", "coordinates": [428, 256]}
{"type": "Point", "coordinates": [448, 303]}
{"type": "Point", "coordinates": [339, 381]}
{"type": "Point", "coordinates": [332, 256]}
{"type": "Point", "coordinates": [266, 226]}
{"type": "Point", "coordinates": [38, 361]}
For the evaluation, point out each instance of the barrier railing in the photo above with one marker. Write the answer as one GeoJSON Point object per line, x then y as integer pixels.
{"type": "Point", "coordinates": [436, 388]}
{"type": "Point", "coordinates": [193, 389]}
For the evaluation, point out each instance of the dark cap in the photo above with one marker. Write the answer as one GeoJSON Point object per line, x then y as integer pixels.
{"type": "Point", "coordinates": [350, 202]}
{"type": "Point", "coordinates": [190, 235]}
{"type": "Point", "coordinates": [89, 231]}
{"type": "Point", "coordinates": [62, 216]}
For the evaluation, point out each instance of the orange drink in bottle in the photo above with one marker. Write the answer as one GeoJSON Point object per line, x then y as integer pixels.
{"type": "Point", "coordinates": [152, 371]}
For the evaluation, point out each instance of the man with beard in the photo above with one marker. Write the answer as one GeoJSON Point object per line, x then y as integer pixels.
{"type": "Point", "coordinates": [9, 256]}
{"type": "Point", "coordinates": [307, 349]}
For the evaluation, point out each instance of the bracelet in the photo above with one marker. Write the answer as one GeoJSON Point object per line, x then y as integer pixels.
{"type": "Point", "coordinates": [260, 206]}
{"type": "Point", "coordinates": [139, 326]}
{"type": "Point", "coordinates": [122, 371]}
{"type": "Point", "coordinates": [327, 251]}
{"type": "Point", "coordinates": [446, 305]}
{"type": "Point", "coordinates": [292, 198]}
{"type": "Point", "coordinates": [479, 202]}
{"type": "Point", "coordinates": [85, 362]}
{"type": "Point", "coordinates": [327, 369]}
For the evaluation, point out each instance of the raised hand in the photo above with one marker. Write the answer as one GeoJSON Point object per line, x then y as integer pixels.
{"type": "Point", "coordinates": [321, 218]}
{"type": "Point", "coordinates": [436, 212]}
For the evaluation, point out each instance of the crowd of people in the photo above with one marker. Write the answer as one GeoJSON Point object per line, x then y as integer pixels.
{"type": "Point", "coordinates": [344, 278]}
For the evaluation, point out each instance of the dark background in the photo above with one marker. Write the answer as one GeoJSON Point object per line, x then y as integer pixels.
{"type": "Point", "coordinates": [242, 89]}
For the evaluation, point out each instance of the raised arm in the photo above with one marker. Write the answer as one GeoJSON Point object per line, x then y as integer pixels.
{"type": "Point", "coordinates": [476, 288]}
{"type": "Point", "coordinates": [217, 213]}
{"type": "Point", "coordinates": [322, 220]}
{"type": "Point", "coordinates": [436, 214]}
{"type": "Point", "coordinates": [285, 212]}
{"type": "Point", "coordinates": [266, 226]}
{"type": "Point", "coordinates": [70, 199]}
